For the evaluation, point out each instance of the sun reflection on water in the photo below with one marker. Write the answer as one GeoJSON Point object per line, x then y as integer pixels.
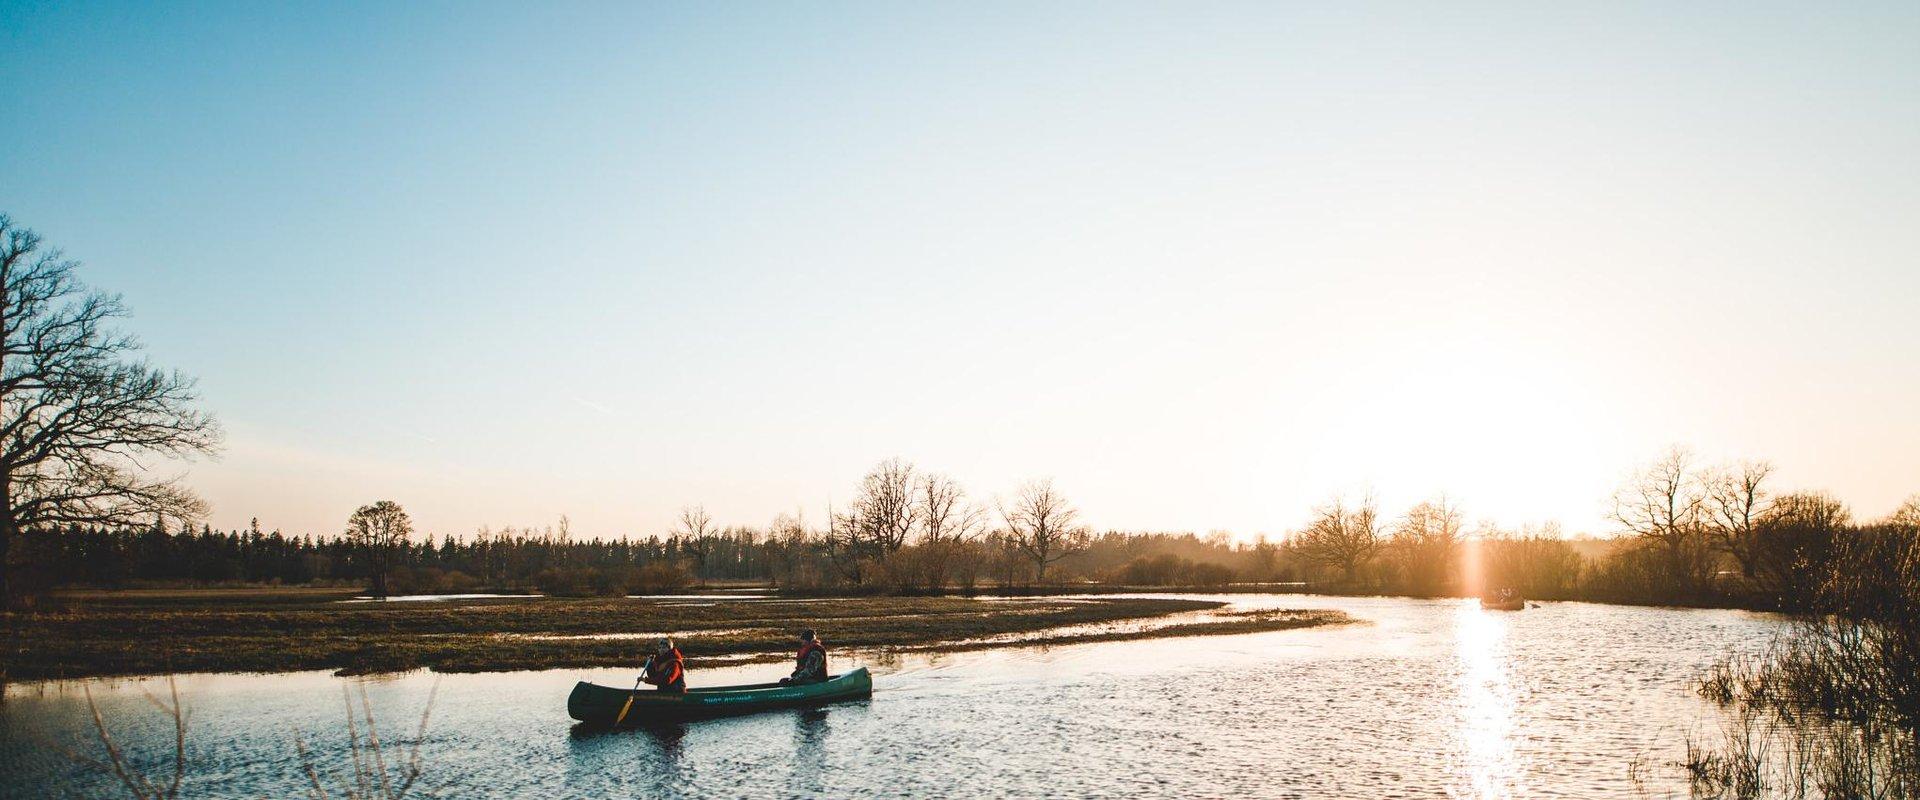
{"type": "Point", "coordinates": [1489, 767]}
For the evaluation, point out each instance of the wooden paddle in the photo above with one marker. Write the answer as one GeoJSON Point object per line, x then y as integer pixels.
{"type": "Point", "coordinates": [630, 696]}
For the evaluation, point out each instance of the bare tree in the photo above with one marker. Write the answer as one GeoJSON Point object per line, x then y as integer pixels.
{"type": "Point", "coordinates": [559, 536]}
{"type": "Point", "coordinates": [695, 531]}
{"type": "Point", "coordinates": [1536, 560]}
{"type": "Point", "coordinates": [844, 548]}
{"type": "Point", "coordinates": [787, 544]}
{"type": "Point", "coordinates": [877, 523]}
{"type": "Point", "coordinates": [1665, 505]}
{"type": "Point", "coordinates": [1041, 525]}
{"type": "Point", "coordinates": [80, 415]}
{"type": "Point", "coordinates": [968, 559]}
{"type": "Point", "coordinates": [379, 531]}
{"type": "Point", "coordinates": [883, 513]}
{"type": "Point", "coordinates": [1342, 537]}
{"type": "Point", "coordinates": [947, 523]}
{"type": "Point", "coordinates": [1736, 501]}
{"type": "Point", "coordinates": [1427, 538]}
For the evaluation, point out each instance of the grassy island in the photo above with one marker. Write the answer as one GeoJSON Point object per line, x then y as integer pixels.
{"type": "Point", "coordinates": [136, 633]}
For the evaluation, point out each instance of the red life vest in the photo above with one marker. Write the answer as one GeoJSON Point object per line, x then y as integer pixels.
{"type": "Point", "coordinates": [806, 648]}
{"type": "Point", "coordinates": [666, 669]}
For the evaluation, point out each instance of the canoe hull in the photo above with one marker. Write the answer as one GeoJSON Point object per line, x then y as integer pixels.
{"type": "Point", "coordinates": [1511, 605]}
{"type": "Point", "coordinates": [600, 705]}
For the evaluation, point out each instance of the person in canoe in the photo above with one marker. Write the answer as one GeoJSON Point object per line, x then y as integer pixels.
{"type": "Point", "coordinates": [665, 668]}
{"type": "Point", "coordinates": [810, 665]}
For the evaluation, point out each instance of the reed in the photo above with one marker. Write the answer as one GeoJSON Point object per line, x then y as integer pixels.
{"type": "Point", "coordinates": [375, 770]}
{"type": "Point", "coordinates": [1832, 710]}
{"type": "Point", "coordinates": [372, 769]}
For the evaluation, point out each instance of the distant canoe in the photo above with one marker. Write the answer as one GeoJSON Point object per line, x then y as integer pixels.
{"type": "Point", "coordinates": [600, 705]}
{"type": "Point", "coordinates": [1515, 604]}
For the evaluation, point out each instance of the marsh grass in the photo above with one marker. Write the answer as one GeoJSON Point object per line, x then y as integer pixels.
{"type": "Point", "coordinates": [124, 637]}
{"type": "Point", "coordinates": [1256, 621]}
{"type": "Point", "coordinates": [1832, 710]}
{"type": "Point", "coordinates": [1763, 755]}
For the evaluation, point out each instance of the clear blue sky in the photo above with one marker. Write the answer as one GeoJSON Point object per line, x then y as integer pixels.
{"type": "Point", "coordinates": [1203, 264]}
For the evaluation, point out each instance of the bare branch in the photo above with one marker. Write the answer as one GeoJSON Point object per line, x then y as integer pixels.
{"type": "Point", "coordinates": [80, 414]}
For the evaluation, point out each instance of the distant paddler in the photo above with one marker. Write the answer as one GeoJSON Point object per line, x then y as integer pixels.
{"type": "Point", "coordinates": [666, 668]}
{"type": "Point", "coordinates": [810, 665]}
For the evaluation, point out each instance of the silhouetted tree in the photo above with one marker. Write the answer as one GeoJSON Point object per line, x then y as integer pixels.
{"type": "Point", "coordinates": [1736, 501]}
{"type": "Point", "coordinates": [1665, 505]}
{"type": "Point", "coordinates": [883, 513]}
{"type": "Point", "coordinates": [1537, 561]}
{"type": "Point", "coordinates": [1041, 524]}
{"type": "Point", "coordinates": [878, 522]}
{"type": "Point", "coordinates": [1795, 543]}
{"type": "Point", "coordinates": [695, 532]}
{"type": "Point", "coordinates": [947, 522]}
{"type": "Point", "coordinates": [1426, 540]}
{"type": "Point", "coordinates": [379, 532]}
{"type": "Point", "coordinates": [1342, 537]}
{"type": "Point", "coordinates": [78, 410]}
{"type": "Point", "coordinates": [1907, 516]}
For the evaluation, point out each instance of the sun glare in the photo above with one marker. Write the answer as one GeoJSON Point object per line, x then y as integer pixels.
{"type": "Point", "coordinates": [1489, 765]}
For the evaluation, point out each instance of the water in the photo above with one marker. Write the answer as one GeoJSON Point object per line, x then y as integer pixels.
{"type": "Point", "coordinates": [1428, 699]}
{"type": "Point", "coordinates": [428, 598]}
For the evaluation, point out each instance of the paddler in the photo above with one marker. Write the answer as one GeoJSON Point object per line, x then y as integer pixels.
{"type": "Point", "coordinates": [810, 665]}
{"type": "Point", "coordinates": [665, 668]}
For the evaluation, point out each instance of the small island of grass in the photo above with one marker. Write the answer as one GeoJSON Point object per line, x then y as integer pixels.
{"type": "Point", "coordinates": [264, 631]}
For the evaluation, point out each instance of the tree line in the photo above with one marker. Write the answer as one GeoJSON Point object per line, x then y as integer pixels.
{"type": "Point", "coordinates": [1690, 534]}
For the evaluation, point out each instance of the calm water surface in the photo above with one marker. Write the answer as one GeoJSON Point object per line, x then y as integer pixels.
{"type": "Point", "coordinates": [1428, 699]}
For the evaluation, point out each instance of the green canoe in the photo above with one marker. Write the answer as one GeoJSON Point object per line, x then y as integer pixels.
{"type": "Point", "coordinates": [601, 704]}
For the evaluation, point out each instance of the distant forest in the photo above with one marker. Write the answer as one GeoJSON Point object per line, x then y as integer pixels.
{"type": "Point", "coordinates": [1689, 535]}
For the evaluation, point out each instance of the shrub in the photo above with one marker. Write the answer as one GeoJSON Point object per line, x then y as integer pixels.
{"type": "Point", "coordinates": [658, 577]}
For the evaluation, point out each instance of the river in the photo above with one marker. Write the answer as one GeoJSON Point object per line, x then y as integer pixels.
{"type": "Point", "coordinates": [1421, 699]}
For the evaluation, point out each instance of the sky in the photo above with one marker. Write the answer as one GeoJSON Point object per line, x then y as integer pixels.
{"type": "Point", "coordinates": [1205, 265]}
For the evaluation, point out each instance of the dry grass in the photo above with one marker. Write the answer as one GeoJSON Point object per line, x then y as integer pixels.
{"type": "Point", "coordinates": [1261, 621]}
{"type": "Point", "coordinates": [374, 770]}
{"type": "Point", "coordinates": [369, 776]}
{"type": "Point", "coordinates": [130, 635]}
{"type": "Point", "coordinates": [135, 783]}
